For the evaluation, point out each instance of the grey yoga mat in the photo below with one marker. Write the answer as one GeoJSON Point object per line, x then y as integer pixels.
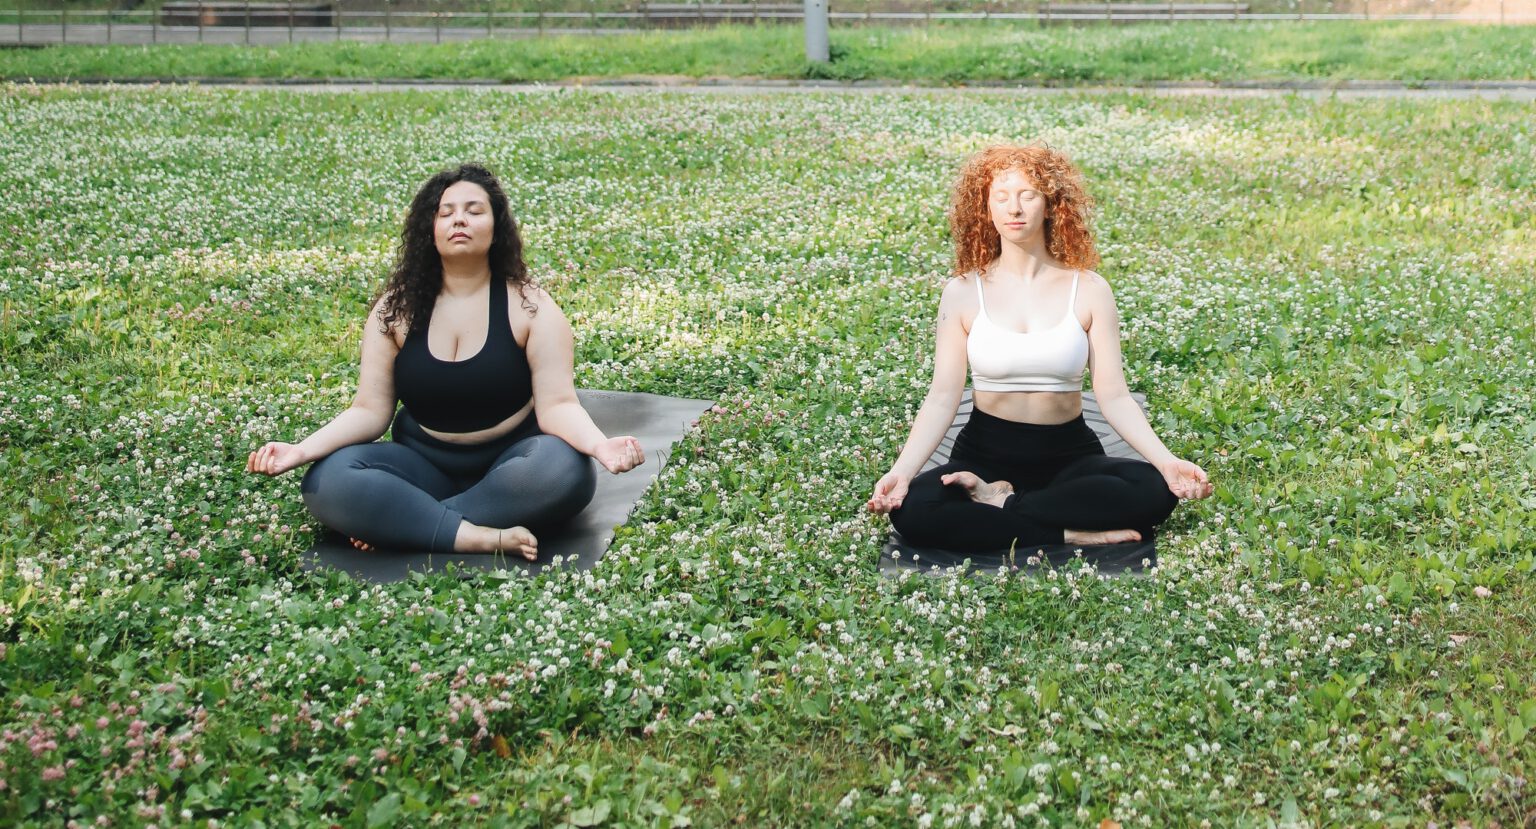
{"type": "Point", "coordinates": [659, 422]}
{"type": "Point", "coordinates": [1128, 559]}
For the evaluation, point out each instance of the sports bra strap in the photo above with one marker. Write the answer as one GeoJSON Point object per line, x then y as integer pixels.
{"type": "Point", "coordinates": [1071, 298]}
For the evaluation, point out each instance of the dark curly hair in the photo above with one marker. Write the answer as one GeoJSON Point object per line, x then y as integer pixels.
{"type": "Point", "coordinates": [417, 276]}
{"type": "Point", "coordinates": [1069, 208]}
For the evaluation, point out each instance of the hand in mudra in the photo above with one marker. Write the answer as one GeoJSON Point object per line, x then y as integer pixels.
{"type": "Point", "coordinates": [274, 458]}
{"type": "Point", "coordinates": [889, 492]}
{"type": "Point", "coordinates": [619, 454]}
{"type": "Point", "coordinates": [1186, 480]}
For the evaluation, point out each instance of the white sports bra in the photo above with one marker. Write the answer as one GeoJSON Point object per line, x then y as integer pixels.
{"type": "Point", "coordinates": [1049, 360]}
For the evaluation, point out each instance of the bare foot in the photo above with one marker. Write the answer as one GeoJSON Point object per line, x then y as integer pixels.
{"type": "Point", "coordinates": [992, 494]}
{"type": "Point", "coordinates": [362, 545]}
{"type": "Point", "coordinates": [1100, 536]}
{"type": "Point", "coordinates": [473, 538]}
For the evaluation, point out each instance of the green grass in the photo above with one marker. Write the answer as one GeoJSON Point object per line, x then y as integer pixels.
{"type": "Point", "coordinates": [1284, 51]}
{"type": "Point", "coordinates": [1328, 304]}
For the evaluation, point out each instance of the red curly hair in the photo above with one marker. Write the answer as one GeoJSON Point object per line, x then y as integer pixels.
{"type": "Point", "coordinates": [1068, 206]}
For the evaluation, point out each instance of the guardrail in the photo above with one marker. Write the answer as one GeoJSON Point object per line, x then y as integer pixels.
{"type": "Point", "coordinates": [234, 13]}
{"type": "Point", "coordinates": [267, 22]}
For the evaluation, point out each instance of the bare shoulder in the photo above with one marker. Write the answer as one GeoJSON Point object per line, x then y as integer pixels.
{"type": "Point", "coordinates": [377, 322]}
{"type": "Point", "coordinates": [381, 303]}
{"type": "Point", "coordinates": [960, 291]}
{"type": "Point", "coordinates": [1095, 289]}
{"type": "Point", "coordinates": [532, 291]}
{"type": "Point", "coordinates": [530, 303]}
{"type": "Point", "coordinates": [1092, 281]}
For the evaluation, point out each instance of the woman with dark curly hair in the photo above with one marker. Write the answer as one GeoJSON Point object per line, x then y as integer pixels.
{"type": "Point", "coordinates": [490, 439]}
{"type": "Point", "coordinates": [1028, 315]}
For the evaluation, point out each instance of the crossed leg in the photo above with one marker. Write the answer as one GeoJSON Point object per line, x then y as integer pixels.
{"type": "Point", "coordinates": [1094, 500]}
{"type": "Point", "coordinates": [387, 494]}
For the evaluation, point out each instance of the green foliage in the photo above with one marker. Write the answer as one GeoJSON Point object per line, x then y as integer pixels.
{"type": "Point", "coordinates": [949, 54]}
{"type": "Point", "coordinates": [1328, 304]}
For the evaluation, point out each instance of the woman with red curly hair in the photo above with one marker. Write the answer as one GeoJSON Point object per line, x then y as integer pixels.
{"type": "Point", "coordinates": [1028, 315]}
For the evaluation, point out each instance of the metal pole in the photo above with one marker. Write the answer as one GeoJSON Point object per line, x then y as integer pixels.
{"type": "Point", "coordinates": [488, 20]}
{"type": "Point", "coordinates": [64, 24]}
{"type": "Point", "coordinates": [154, 27]}
{"type": "Point", "coordinates": [388, 20]}
{"type": "Point", "coordinates": [290, 21]}
{"type": "Point", "coordinates": [21, 14]}
{"type": "Point", "coordinates": [199, 21]}
{"type": "Point", "coordinates": [818, 49]}
{"type": "Point", "coordinates": [109, 26]}
{"type": "Point", "coordinates": [247, 24]}
{"type": "Point", "coordinates": [437, 24]}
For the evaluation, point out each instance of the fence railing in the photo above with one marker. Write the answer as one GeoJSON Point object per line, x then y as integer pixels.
{"type": "Point", "coordinates": [266, 22]}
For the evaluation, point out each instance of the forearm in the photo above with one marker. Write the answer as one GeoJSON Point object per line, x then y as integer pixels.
{"type": "Point", "coordinates": [571, 423]}
{"type": "Point", "coordinates": [1131, 424]}
{"type": "Point", "coordinates": [928, 428]}
{"type": "Point", "coordinates": [355, 425]}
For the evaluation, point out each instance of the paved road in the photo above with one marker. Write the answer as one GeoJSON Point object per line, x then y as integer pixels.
{"type": "Point", "coordinates": [139, 34]}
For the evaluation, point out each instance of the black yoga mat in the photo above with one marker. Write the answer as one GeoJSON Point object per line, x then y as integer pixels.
{"type": "Point", "coordinates": [1129, 559]}
{"type": "Point", "coordinates": [659, 422]}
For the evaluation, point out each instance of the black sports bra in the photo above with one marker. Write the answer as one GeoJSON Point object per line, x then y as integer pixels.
{"type": "Point", "coordinates": [465, 395]}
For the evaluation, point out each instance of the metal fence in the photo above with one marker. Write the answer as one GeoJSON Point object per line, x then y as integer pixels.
{"type": "Point", "coordinates": [40, 22]}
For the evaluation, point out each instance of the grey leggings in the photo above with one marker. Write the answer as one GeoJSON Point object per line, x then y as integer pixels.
{"type": "Point", "coordinates": [411, 493]}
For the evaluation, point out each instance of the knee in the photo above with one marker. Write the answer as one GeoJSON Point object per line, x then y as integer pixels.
{"type": "Point", "coordinates": [1160, 499]}
{"type": "Point", "coordinates": [322, 474]}
{"type": "Point", "coordinates": [912, 521]}
{"type": "Point", "coordinates": [563, 468]}
{"type": "Point", "coordinates": [925, 492]}
{"type": "Point", "coordinates": [924, 496]}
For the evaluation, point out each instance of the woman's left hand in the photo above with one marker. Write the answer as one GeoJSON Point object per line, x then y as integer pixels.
{"type": "Point", "coordinates": [619, 454]}
{"type": "Point", "coordinates": [1186, 480]}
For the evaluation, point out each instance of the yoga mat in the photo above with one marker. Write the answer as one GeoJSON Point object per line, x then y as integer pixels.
{"type": "Point", "coordinates": [659, 422]}
{"type": "Point", "coordinates": [1129, 559]}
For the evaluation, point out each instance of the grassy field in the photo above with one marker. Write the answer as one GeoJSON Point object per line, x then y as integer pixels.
{"type": "Point", "coordinates": [1329, 306]}
{"type": "Point", "coordinates": [957, 54]}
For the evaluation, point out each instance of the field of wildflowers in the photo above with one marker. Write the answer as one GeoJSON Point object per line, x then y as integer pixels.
{"type": "Point", "coordinates": [1329, 306]}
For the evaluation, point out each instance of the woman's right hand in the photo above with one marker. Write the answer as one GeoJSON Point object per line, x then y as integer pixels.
{"type": "Point", "coordinates": [890, 490]}
{"type": "Point", "coordinates": [274, 459]}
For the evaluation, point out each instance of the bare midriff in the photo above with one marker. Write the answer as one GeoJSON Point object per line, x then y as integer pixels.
{"type": "Point", "coordinates": [483, 435]}
{"type": "Point", "coordinates": [1044, 408]}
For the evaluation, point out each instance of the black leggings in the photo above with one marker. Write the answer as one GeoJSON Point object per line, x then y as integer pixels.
{"type": "Point", "coordinates": [411, 493]}
{"type": "Point", "coordinates": [1062, 480]}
